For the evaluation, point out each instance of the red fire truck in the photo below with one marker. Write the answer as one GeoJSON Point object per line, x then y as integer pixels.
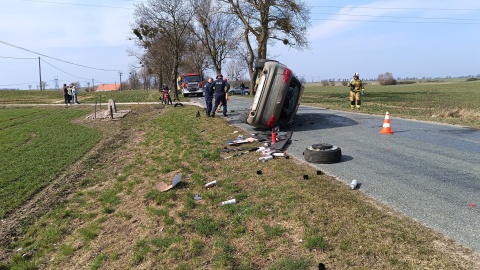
{"type": "Point", "coordinates": [192, 84]}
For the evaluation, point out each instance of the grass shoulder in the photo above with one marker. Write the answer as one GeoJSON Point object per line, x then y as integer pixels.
{"type": "Point", "coordinates": [116, 218]}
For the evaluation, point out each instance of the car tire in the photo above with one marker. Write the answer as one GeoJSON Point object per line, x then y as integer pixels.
{"type": "Point", "coordinates": [230, 93]}
{"type": "Point", "coordinates": [323, 153]}
{"type": "Point", "coordinates": [185, 95]}
{"type": "Point", "coordinates": [246, 93]}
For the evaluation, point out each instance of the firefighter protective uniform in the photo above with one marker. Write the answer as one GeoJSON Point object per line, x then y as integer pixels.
{"type": "Point", "coordinates": [356, 90]}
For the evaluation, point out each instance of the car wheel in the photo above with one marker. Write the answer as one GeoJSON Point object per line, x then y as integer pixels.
{"type": "Point", "coordinates": [200, 95]}
{"type": "Point", "coordinates": [230, 93]}
{"type": "Point", "coordinates": [323, 153]}
{"type": "Point", "coordinates": [246, 93]}
{"type": "Point", "coordinates": [185, 95]}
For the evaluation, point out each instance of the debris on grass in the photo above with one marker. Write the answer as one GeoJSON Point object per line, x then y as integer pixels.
{"type": "Point", "coordinates": [164, 187]}
{"type": "Point", "coordinates": [211, 184]}
{"type": "Point", "coordinates": [232, 201]}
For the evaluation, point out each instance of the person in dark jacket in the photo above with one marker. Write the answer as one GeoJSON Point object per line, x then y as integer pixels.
{"type": "Point", "coordinates": [220, 97]}
{"type": "Point", "coordinates": [208, 89]}
{"type": "Point", "coordinates": [65, 94]}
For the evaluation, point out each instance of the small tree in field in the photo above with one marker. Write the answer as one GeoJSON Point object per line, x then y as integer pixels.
{"type": "Point", "coordinates": [386, 79]}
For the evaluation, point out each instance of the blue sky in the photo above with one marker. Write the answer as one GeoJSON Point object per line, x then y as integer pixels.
{"type": "Point", "coordinates": [405, 37]}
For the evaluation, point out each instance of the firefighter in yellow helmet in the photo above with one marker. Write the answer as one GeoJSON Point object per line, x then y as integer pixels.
{"type": "Point", "coordinates": [356, 90]}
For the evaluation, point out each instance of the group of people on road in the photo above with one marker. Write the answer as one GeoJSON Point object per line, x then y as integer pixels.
{"type": "Point", "coordinates": [218, 89]}
{"type": "Point", "coordinates": [70, 94]}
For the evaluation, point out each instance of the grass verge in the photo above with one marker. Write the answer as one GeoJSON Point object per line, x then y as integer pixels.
{"type": "Point", "coordinates": [280, 221]}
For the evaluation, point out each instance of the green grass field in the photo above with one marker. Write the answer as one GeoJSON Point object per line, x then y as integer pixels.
{"type": "Point", "coordinates": [36, 145]}
{"type": "Point", "coordinates": [448, 102]}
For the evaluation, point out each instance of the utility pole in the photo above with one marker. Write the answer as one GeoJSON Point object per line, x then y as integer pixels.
{"type": "Point", "coordinates": [40, 72]}
{"type": "Point", "coordinates": [56, 83]}
{"type": "Point", "coordinates": [120, 74]}
{"type": "Point", "coordinates": [93, 85]}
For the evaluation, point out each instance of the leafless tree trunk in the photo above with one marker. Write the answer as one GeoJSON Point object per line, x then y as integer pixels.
{"type": "Point", "coordinates": [270, 20]}
{"type": "Point", "coordinates": [166, 22]}
{"type": "Point", "coordinates": [196, 58]}
{"type": "Point", "coordinates": [216, 31]}
{"type": "Point", "coordinates": [235, 71]}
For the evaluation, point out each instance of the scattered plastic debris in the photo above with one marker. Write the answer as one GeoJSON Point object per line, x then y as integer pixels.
{"type": "Point", "coordinates": [211, 184]}
{"type": "Point", "coordinates": [354, 184]}
{"type": "Point", "coordinates": [164, 187]}
{"type": "Point", "coordinates": [232, 201]}
{"type": "Point", "coordinates": [197, 197]}
{"type": "Point", "coordinates": [265, 158]}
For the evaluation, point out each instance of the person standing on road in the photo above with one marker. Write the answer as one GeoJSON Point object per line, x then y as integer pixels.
{"type": "Point", "coordinates": [356, 90]}
{"type": "Point", "coordinates": [227, 88]}
{"type": "Point", "coordinates": [65, 94]}
{"type": "Point", "coordinates": [242, 88]}
{"type": "Point", "coordinates": [208, 89]}
{"type": "Point", "coordinates": [220, 96]}
{"type": "Point", "coordinates": [69, 91]}
{"type": "Point", "coordinates": [74, 95]}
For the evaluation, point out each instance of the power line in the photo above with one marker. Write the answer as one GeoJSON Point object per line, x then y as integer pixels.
{"type": "Point", "coordinates": [17, 84]}
{"type": "Point", "coordinates": [395, 17]}
{"type": "Point", "coordinates": [353, 20]}
{"type": "Point", "coordinates": [16, 57]}
{"type": "Point", "coordinates": [403, 8]}
{"type": "Point", "coordinates": [18, 47]}
{"type": "Point", "coordinates": [75, 4]}
{"type": "Point", "coordinates": [64, 71]}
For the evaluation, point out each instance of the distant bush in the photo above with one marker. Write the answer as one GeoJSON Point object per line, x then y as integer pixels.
{"type": "Point", "coordinates": [386, 79]}
{"type": "Point", "coordinates": [406, 82]}
{"type": "Point", "coordinates": [332, 83]}
{"type": "Point", "coordinates": [325, 83]}
{"type": "Point", "coordinates": [344, 83]}
{"type": "Point", "coordinates": [471, 79]}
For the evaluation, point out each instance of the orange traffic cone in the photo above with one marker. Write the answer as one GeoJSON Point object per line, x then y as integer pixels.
{"type": "Point", "coordinates": [386, 129]}
{"type": "Point", "coordinates": [274, 137]}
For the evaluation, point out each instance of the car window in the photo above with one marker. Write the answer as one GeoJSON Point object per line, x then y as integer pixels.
{"type": "Point", "coordinates": [188, 79]}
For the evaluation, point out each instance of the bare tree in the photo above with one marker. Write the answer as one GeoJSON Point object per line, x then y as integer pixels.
{"type": "Point", "coordinates": [165, 22]}
{"type": "Point", "coordinates": [44, 85]}
{"type": "Point", "coordinates": [235, 70]}
{"type": "Point", "coordinates": [386, 79]}
{"type": "Point", "coordinates": [216, 31]}
{"type": "Point", "coordinates": [270, 20]}
{"type": "Point", "coordinates": [196, 58]}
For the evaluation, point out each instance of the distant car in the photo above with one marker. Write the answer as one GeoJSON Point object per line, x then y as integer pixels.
{"type": "Point", "coordinates": [277, 95]}
{"type": "Point", "coordinates": [238, 91]}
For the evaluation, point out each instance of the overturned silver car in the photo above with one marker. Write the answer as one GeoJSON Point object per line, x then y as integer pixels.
{"type": "Point", "coordinates": [277, 95]}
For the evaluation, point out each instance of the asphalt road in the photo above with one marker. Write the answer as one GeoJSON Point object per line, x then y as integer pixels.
{"type": "Point", "coordinates": [428, 171]}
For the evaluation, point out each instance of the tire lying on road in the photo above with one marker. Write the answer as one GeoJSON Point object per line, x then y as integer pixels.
{"type": "Point", "coordinates": [323, 153]}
